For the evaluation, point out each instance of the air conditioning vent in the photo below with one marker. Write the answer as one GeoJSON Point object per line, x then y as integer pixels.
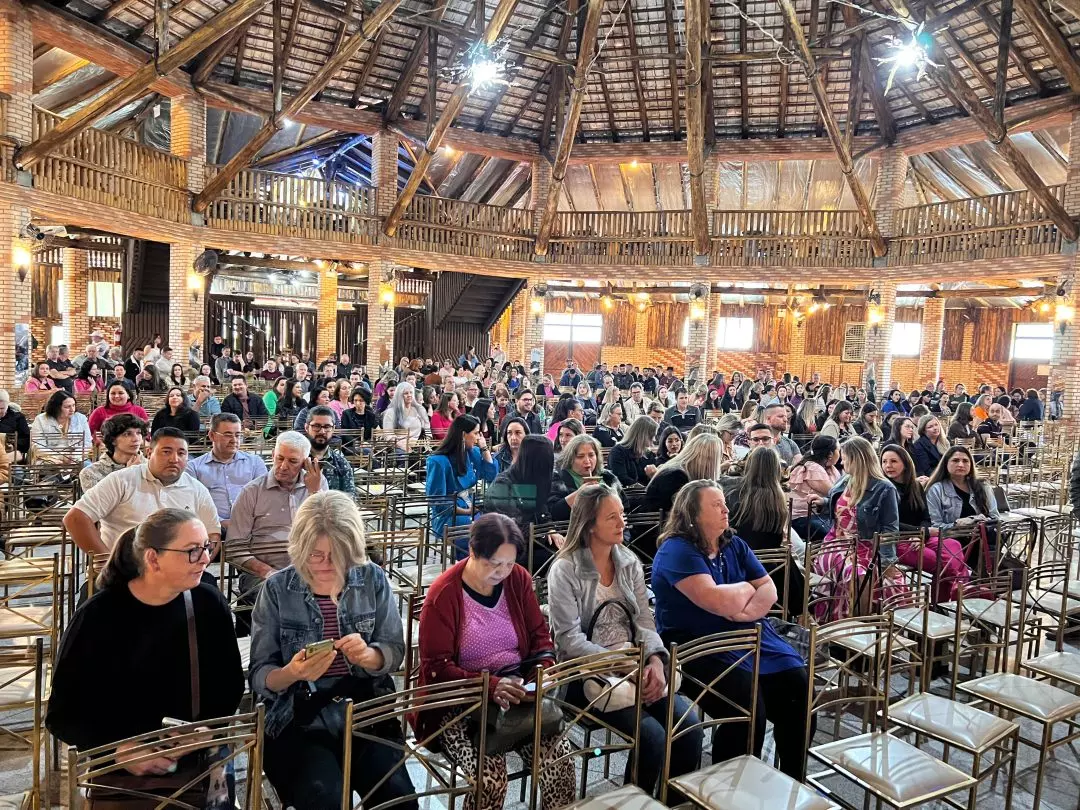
{"type": "Point", "coordinates": [854, 343]}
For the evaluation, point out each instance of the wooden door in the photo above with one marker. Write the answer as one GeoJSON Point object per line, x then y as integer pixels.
{"type": "Point", "coordinates": [1028, 374]}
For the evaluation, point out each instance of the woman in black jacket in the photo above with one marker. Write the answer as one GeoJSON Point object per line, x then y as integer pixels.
{"type": "Point", "coordinates": [930, 446]}
{"type": "Point", "coordinates": [630, 460]}
{"type": "Point", "coordinates": [700, 458]}
{"type": "Point", "coordinates": [522, 493]}
{"type": "Point", "coordinates": [359, 417]}
{"type": "Point", "coordinates": [176, 413]}
{"type": "Point", "coordinates": [580, 463]}
{"type": "Point", "coordinates": [609, 430]}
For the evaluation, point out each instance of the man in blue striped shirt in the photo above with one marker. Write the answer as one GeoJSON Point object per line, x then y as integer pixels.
{"type": "Point", "coordinates": [226, 468]}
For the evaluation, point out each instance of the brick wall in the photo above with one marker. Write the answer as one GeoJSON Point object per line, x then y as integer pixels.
{"type": "Point", "coordinates": [185, 302]}
{"type": "Point", "coordinates": [73, 308]}
{"type": "Point", "coordinates": [380, 321]}
{"type": "Point", "coordinates": [326, 323]}
{"type": "Point", "coordinates": [188, 137]}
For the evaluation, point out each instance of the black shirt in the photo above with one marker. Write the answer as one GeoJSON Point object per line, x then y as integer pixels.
{"type": "Point", "coordinates": [68, 383]}
{"type": "Point", "coordinates": [133, 659]}
{"type": "Point", "coordinates": [15, 422]}
{"type": "Point", "coordinates": [187, 420]}
{"type": "Point", "coordinates": [482, 599]}
{"type": "Point", "coordinates": [968, 509]}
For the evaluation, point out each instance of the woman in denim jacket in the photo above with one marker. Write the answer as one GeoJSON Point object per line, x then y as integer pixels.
{"type": "Point", "coordinates": [330, 592]}
{"type": "Point", "coordinates": [862, 503]}
{"type": "Point", "coordinates": [956, 498]}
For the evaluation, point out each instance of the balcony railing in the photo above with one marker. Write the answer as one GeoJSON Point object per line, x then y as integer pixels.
{"type": "Point", "coordinates": [467, 229]}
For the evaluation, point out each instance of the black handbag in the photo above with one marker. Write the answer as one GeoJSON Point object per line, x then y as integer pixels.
{"type": "Point", "coordinates": [509, 728]}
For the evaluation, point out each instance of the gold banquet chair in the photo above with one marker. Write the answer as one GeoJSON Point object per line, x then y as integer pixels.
{"type": "Point", "coordinates": [23, 685]}
{"type": "Point", "coordinates": [96, 771]}
{"type": "Point", "coordinates": [742, 783]}
{"type": "Point", "coordinates": [627, 797]}
{"type": "Point", "coordinates": [850, 681]}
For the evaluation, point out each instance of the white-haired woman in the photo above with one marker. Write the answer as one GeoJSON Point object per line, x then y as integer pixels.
{"type": "Point", "coordinates": [701, 457]}
{"type": "Point", "coordinates": [331, 592]}
{"type": "Point", "coordinates": [405, 413]}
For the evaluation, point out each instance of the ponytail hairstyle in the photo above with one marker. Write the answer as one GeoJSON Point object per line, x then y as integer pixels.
{"type": "Point", "coordinates": [128, 557]}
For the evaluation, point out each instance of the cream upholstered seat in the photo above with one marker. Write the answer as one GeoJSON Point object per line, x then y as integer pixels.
{"type": "Point", "coordinates": [627, 797]}
{"type": "Point", "coordinates": [1038, 700]}
{"type": "Point", "coordinates": [1063, 665]}
{"type": "Point", "coordinates": [952, 722]}
{"type": "Point", "coordinates": [747, 782]}
{"type": "Point", "coordinates": [15, 801]}
{"type": "Point", "coordinates": [896, 770]}
{"type": "Point", "coordinates": [25, 620]}
{"type": "Point", "coordinates": [911, 620]}
{"type": "Point", "coordinates": [989, 611]}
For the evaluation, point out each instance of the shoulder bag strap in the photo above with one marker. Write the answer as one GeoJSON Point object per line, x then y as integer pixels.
{"type": "Point", "coordinates": [193, 654]}
{"type": "Point", "coordinates": [626, 611]}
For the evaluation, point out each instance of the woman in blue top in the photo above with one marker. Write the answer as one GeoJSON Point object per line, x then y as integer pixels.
{"type": "Point", "coordinates": [707, 581]}
{"type": "Point", "coordinates": [453, 469]}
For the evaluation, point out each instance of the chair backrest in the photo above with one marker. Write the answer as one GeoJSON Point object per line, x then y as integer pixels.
{"type": "Point", "coordinates": [224, 739]}
{"type": "Point", "coordinates": [775, 561]}
{"type": "Point", "coordinates": [453, 703]}
{"type": "Point", "coordinates": [18, 665]}
{"type": "Point", "coordinates": [610, 671]}
{"type": "Point", "coordinates": [826, 589]}
{"type": "Point", "coordinates": [988, 622]}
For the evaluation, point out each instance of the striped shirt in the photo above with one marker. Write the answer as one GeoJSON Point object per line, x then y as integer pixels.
{"type": "Point", "coordinates": [331, 630]}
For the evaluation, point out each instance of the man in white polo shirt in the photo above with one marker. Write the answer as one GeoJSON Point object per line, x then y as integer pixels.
{"type": "Point", "coordinates": [124, 498]}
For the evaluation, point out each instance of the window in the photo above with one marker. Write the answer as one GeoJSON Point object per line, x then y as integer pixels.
{"type": "Point", "coordinates": [57, 335]}
{"type": "Point", "coordinates": [906, 339]}
{"type": "Point", "coordinates": [573, 328]}
{"type": "Point", "coordinates": [1033, 341]}
{"type": "Point", "coordinates": [736, 334]}
{"type": "Point", "coordinates": [104, 299]}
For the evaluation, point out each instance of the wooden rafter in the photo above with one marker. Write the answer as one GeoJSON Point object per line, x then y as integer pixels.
{"type": "Point", "coordinates": [339, 37]}
{"type": "Point", "coordinates": [365, 71]}
{"type": "Point", "coordinates": [453, 106]}
{"type": "Point", "coordinates": [986, 169]}
{"type": "Point", "coordinates": [213, 56]}
{"type": "Point", "coordinates": [114, 9]}
{"type": "Point", "coordinates": [785, 80]}
{"type": "Point", "coordinates": [869, 80]}
{"type": "Point", "coordinates": [1002, 64]}
{"type": "Point", "coordinates": [412, 66]}
{"type": "Point", "coordinates": [161, 27]}
{"type": "Point", "coordinates": [135, 85]}
{"type": "Point", "coordinates": [956, 177]}
{"type": "Point", "coordinates": [238, 62]}
{"type": "Point", "coordinates": [744, 84]}
{"type": "Point", "coordinates": [1049, 36]}
{"type": "Point", "coordinates": [614, 127]}
{"type": "Point", "coordinates": [697, 72]}
{"type": "Point", "coordinates": [288, 151]}
{"type": "Point", "coordinates": [556, 78]}
{"type": "Point", "coordinates": [946, 77]}
{"type": "Point", "coordinates": [93, 89]}
{"type": "Point", "coordinates": [628, 195]}
{"type": "Point", "coordinates": [855, 93]}
{"type": "Point", "coordinates": [427, 180]}
{"type": "Point", "coordinates": [496, 180]}
{"type": "Point", "coordinates": [586, 46]}
{"type": "Point", "coordinates": [961, 50]}
{"type": "Point", "coordinates": [1046, 143]}
{"type": "Point", "coordinates": [147, 26]}
{"type": "Point", "coordinates": [1022, 64]}
{"type": "Point", "coordinates": [832, 128]}
{"type": "Point", "coordinates": [338, 59]}
{"type": "Point", "coordinates": [635, 68]}
{"type": "Point", "coordinates": [673, 69]}
{"type": "Point", "coordinates": [548, 69]}
{"type": "Point", "coordinates": [530, 43]}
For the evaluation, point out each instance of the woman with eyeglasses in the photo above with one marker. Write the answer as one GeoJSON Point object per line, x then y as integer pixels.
{"type": "Point", "coordinates": [128, 645]}
{"type": "Point", "coordinates": [331, 592]}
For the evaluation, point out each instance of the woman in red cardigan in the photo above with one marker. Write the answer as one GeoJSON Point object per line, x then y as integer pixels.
{"type": "Point", "coordinates": [482, 615]}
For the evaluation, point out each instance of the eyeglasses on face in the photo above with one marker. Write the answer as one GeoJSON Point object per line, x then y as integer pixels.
{"type": "Point", "coordinates": [320, 557]}
{"type": "Point", "coordinates": [194, 555]}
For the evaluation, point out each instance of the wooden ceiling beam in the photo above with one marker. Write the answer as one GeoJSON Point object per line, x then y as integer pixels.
{"type": "Point", "coordinates": [986, 168]}
{"type": "Point", "coordinates": [946, 77]}
{"type": "Point", "coordinates": [868, 74]}
{"type": "Point", "coordinates": [697, 73]}
{"type": "Point", "coordinates": [1046, 143]}
{"type": "Point", "coordinates": [365, 71]}
{"type": "Point", "coordinates": [1002, 66]}
{"type": "Point", "coordinates": [492, 31]}
{"type": "Point", "coordinates": [960, 49]}
{"type": "Point", "coordinates": [673, 68]}
{"type": "Point", "coordinates": [140, 81]}
{"type": "Point", "coordinates": [744, 85]}
{"type": "Point", "coordinates": [635, 68]}
{"type": "Point", "coordinates": [289, 151]}
{"type": "Point", "coordinates": [1049, 36]}
{"type": "Point", "coordinates": [243, 158]}
{"type": "Point", "coordinates": [413, 61]}
{"type": "Point", "coordinates": [556, 79]}
{"type": "Point", "coordinates": [213, 55]}
{"type": "Point", "coordinates": [586, 46]}
{"type": "Point", "coordinates": [832, 128]}
{"type": "Point", "coordinates": [530, 43]}
{"type": "Point", "coordinates": [1022, 64]}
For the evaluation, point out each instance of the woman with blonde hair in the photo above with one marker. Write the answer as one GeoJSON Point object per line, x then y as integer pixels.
{"type": "Point", "coordinates": [930, 446]}
{"type": "Point", "coordinates": [331, 592]}
{"type": "Point", "coordinates": [598, 601]}
{"type": "Point", "coordinates": [806, 417]}
{"type": "Point", "coordinates": [728, 427]}
{"type": "Point", "coordinates": [701, 457]}
{"type": "Point", "coordinates": [630, 459]}
{"type": "Point", "coordinates": [862, 503]}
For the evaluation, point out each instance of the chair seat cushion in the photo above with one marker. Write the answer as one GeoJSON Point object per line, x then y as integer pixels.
{"type": "Point", "coordinates": [20, 690]}
{"type": "Point", "coordinates": [15, 801]}
{"type": "Point", "coordinates": [989, 611]}
{"type": "Point", "coordinates": [893, 769]}
{"type": "Point", "coordinates": [1049, 601]}
{"type": "Point", "coordinates": [911, 620]}
{"type": "Point", "coordinates": [1064, 665]}
{"type": "Point", "coordinates": [25, 620]}
{"type": "Point", "coordinates": [1074, 588]}
{"type": "Point", "coordinates": [1027, 696]}
{"type": "Point", "coordinates": [747, 782]}
{"type": "Point", "coordinates": [950, 721]}
{"type": "Point", "coordinates": [627, 797]}
{"type": "Point", "coordinates": [244, 644]}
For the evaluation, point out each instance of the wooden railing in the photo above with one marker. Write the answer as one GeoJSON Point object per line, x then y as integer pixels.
{"type": "Point", "coordinates": [469, 229]}
{"type": "Point", "coordinates": [284, 205]}
{"type": "Point", "coordinates": [996, 226]}
{"type": "Point", "coordinates": [626, 225]}
{"type": "Point", "coordinates": [101, 167]}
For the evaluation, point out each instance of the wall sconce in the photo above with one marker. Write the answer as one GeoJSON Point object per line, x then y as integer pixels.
{"type": "Point", "coordinates": [1063, 315]}
{"type": "Point", "coordinates": [536, 306]}
{"type": "Point", "coordinates": [697, 311]}
{"type": "Point", "coordinates": [194, 285]}
{"type": "Point", "coordinates": [607, 302]}
{"type": "Point", "coordinates": [875, 316]}
{"type": "Point", "coordinates": [21, 258]}
{"type": "Point", "coordinates": [386, 294]}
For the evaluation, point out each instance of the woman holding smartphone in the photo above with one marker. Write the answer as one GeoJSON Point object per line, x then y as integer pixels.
{"type": "Point", "coordinates": [579, 464]}
{"type": "Point", "coordinates": [324, 629]}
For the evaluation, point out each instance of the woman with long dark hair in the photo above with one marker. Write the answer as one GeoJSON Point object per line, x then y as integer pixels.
{"type": "Point", "coordinates": [962, 428]}
{"type": "Point", "coordinates": [942, 557]}
{"type": "Point", "coordinates": [568, 407]}
{"type": "Point", "coordinates": [521, 493]}
{"type": "Point", "coordinates": [176, 413]}
{"type": "Point", "coordinates": [484, 410]}
{"type": "Point", "coordinates": [443, 416]}
{"type": "Point", "coordinates": [955, 496]}
{"type": "Point", "coordinates": [89, 379]}
{"type": "Point", "coordinates": [176, 376]}
{"type": "Point", "coordinates": [668, 445]}
{"type": "Point", "coordinates": [930, 446]}
{"type": "Point", "coordinates": [868, 424]}
{"type": "Point", "coordinates": [60, 433]}
{"type": "Point", "coordinates": [568, 429]}
{"type": "Point", "coordinates": [903, 433]}
{"type": "Point", "coordinates": [453, 468]}
{"type": "Point", "coordinates": [810, 480]}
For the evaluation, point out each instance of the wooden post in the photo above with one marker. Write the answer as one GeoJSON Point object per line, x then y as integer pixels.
{"type": "Point", "coordinates": [1002, 69]}
{"type": "Point", "coordinates": [161, 27]}
{"type": "Point", "coordinates": [322, 77]}
{"type": "Point", "coordinates": [453, 106]}
{"type": "Point", "coordinates": [1048, 35]}
{"type": "Point", "coordinates": [139, 82]}
{"type": "Point", "coordinates": [695, 126]}
{"type": "Point", "coordinates": [832, 128]}
{"type": "Point", "coordinates": [569, 130]}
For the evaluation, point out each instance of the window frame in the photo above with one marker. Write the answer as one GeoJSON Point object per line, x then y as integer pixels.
{"type": "Point", "coordinates": [916, 345]}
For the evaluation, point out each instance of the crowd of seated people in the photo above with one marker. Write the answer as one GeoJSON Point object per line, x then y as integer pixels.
{"type": "Point", "coordinates": [783, 462]}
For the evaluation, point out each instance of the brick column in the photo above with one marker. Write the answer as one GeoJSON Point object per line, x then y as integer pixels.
{"type": "Point", "coordinates": [73, 308]}
{"type": "Point", "coordinates": [536, 309]}
{"type": "Point", "coordinates": [188, 137]}
{"type": "Point", "coordinates": [326, 334]}
{"type": "Point", "coordinates": [380, 320]}
{"type": "Point", "coordinates": [698, 347]}
{"type": "Point", "coordinates": [519, 316]}
{"type": "Point", "coordinates": [540, 186]}
{"type": "Point", "coordinates": [641, 338]}
{"type": "Point", "coordinates": [879, 339]}
{"type": "Point", "coordinates": [888, 196]}
{"type": "Point", "coordinates": [17, 70]}
{"type": "Point", "coordinates": [1072, 180]}
{"type": "Point", "coordinates": [384, 172]}
{"type": "Point", "coordinates": [15, 295]}
{"type": "Point", "coordinates": [796, 361]}
{"type": "Point", "coordinates": [1065, 362]}
{"type": "Point", "coordinates": [933, 331]}
{"type": "Point", "coordinates": [187, 293]}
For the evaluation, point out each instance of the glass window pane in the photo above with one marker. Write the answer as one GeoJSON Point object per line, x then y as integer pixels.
{"type": "Point", "coordinates": [736, 334]}
{"type": "Point", "coordinates": [1033, 348]}
{"type": "Point", "coordinates": [906, 339]}
{"type": "Point", "coordinates": [1035, 330]}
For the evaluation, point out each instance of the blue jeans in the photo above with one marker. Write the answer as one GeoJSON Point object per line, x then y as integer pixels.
{"type": "Point", "coordinates": [685, 751]}
{"type": "Point", "coordinates": [812, 528]}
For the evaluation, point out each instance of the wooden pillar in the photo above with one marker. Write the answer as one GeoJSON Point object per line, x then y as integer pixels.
{"type": "Point", "coordinates": [380, 319]}
{"type": "Point", "coordinates": [74, 312]}
{"type": "Point", "coordinates": [17, 70]}
{"type": "Point", "coordinates": [534, 331]}
{"type": "Point", "coordinates": [188, 137]}
{"type": "Point", "coordinates": [933, 332]}
{"type": "Point", "coordinates": [878, 363]}
{"type": "Point", "coordinates": [384, 173]}
{"type": "Point", "coordinates": [539, 188]}
{"type": "Point", "coordinates": [697, 347]}
{"type": "Point", "coordinates": [187, 303]}
{"type": "Point", "coordinates": [326, 324]}
{"type": "Point", "coordinates": [889, 189]}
